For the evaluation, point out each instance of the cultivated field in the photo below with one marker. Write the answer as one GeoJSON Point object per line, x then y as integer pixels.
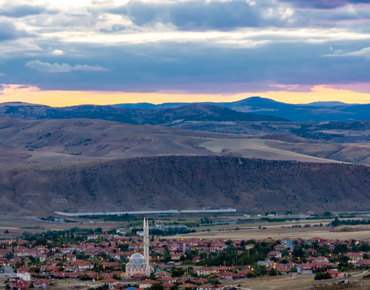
{"type": "Point", "coordinates": [300, 282]}
{"type": "Point", "coordinates": [275, 231]}
{"type": "Point", "coordinates": [18, 226]}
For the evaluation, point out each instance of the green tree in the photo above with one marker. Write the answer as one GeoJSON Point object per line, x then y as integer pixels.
{"type": "Point", "coordinates": [364, 247]}
{"type": "Point", "coordinates": [340, 248]}
{"type": "Point", "coordinates": [157, 286]}
{"type": "Point", "coordinates": [335, 222]}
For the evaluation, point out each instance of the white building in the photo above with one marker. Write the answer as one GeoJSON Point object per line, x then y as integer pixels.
{"type": "Point", "coordinates": [138, 263]}
{"type": "Point", "coordinates": [122, 231]}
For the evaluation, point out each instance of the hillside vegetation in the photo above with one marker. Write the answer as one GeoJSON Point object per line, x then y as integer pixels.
{"type": "Point", "coordinates": [183, 182]}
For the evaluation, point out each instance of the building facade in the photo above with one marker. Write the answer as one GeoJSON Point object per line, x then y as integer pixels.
{"type": "Point", "coordinates": [138, 263]}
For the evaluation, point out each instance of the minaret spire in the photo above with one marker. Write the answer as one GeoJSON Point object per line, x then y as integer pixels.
{"type": "Point", "coordinates": [146, 246]}
{"type": "Point", "coordinates": [147, 243]}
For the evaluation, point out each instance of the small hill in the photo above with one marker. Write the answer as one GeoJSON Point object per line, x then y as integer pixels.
{"type": "Point", "coordinates": [327, 104]}
{"type": "Point", "coordinates": [183, 182]}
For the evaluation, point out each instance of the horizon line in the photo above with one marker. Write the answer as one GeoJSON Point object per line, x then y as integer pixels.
{"type": "Point", "coordinates": [204, 102]}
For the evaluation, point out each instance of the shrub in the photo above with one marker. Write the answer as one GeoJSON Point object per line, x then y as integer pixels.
{"type": "Point", "coordinates": [322, 276]}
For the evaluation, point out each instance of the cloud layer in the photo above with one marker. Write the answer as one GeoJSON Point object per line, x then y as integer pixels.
{"type": "Point", "coordinates": [61, 68]}
{"type": "Point", "coordinates": [185, 46]}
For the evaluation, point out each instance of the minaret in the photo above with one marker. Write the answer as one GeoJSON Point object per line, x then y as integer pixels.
{"type": "Point", "coordinates": [146, 246]}
{"type": "Point", "coordinates": [144, 237]}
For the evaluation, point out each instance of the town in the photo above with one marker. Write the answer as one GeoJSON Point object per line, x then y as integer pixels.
{"type": "Point", "coordinates": [140, 260]}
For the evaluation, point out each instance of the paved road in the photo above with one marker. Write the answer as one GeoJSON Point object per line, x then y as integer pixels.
{"type": "Point", "coordinates": [364, 272]}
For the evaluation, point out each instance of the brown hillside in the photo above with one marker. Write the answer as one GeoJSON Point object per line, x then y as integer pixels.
{"type": "Point", "coordinates": [178, 182]}
{"type": "Point", "coordinates": [48, 141]}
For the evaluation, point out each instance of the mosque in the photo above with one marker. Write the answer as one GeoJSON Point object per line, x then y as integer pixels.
{"type": "Point", "coordinates": [138, 263]}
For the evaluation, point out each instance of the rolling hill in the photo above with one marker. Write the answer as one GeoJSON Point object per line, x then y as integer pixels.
{"type": "Point", "coordinates": [314, 112]}
{"type": "Point", "coordinates": [183, 182]}
{"type": "Point", "coordinates": [51, 141]}
{"type": "Point", "coordinates": [97, 165]}
{"type": "Point", "coordinates": [193, 112]}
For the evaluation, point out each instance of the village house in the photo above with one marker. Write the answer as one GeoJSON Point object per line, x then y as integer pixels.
{"type": "Point", "coordinates": [41, 283]}
{"type": "Point", "coordinates": [122, 231]}
{"type": "Point", "coordinates": [288, 243]}
{"type": "Point", "coordinates": [147, 283]}
{"type": "Point", "coordinates": [274, 254]}
{"type": "Point", "coordinates": [363, 262]}
{"type": "Point", "coordinates": [110, 282]}
{"type": "Point", "coordinates": [19, 284]}
{"type": "Point", "coordinates": [83, 265]}
{"type": "Point", "coordinates": [218, 247]}
{"type": "Point", "coordinates": [335, 273]}
{"type": "Point", "coordinates": [280, 247]}
{"type": "Point", "coordinates": [92, 237]}
{"type": "Point", "coordinates": [355, 256]}
{"type": "Point", "coordinates": [24, 274]}
{"type": "Point", "coordinates": [205, 271]}
{"type": "Point", "coordinates": [178, 246]}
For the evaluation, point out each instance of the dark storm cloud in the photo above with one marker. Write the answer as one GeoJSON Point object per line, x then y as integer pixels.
{"type": "Point", "coordinates": [197, 67]}
{"type": "Point", "coordinates": [9, 32]}
{"type": "Point", "coordinates": [17, 11]}
{"type": "Point", "coordinates": [251, 53]}
{"type": "Point", "coordinates": [323, 4]}
{"type": "Point", "coordinates": [192, 15]}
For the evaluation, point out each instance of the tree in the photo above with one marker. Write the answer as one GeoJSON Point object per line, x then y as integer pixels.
{"type": "Point", "coordinates": [335, 222]}
{"type": "Point", "coordinates": [267, 213]}
{"type": "Point", "coordinates": [272, 272]}
{"type": "Point", "coordinates": [288, 212]}
{"type": "Point", "coordinates": [327, 213]}
{"type": "Point", "coordinates": [321, 276]}
{"type": "Point", "coordinates": [298, 252]}
{"type": "Point", "coordinates": [340, 248]}
{"type": "Point", "coordinates": [364, 247]}
{"type": "Point", "coordinates": [157, 286]}
{"type": "Point", "coordinates": [167, 255]}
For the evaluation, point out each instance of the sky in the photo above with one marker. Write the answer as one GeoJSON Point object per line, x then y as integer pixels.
{"type": "Point", "coordinates": [72, 52]}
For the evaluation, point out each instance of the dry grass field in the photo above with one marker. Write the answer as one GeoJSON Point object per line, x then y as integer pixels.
{"type": "Point", "coordinates": [259, 148]}
{"type": "Point", "coordinates": [18, 226]}
{"type": "Point", "coordinates": [51, 141]}
{"type": "Point", "coordinates": [275, 231]}
{"type": "Point", "coordinates": [300, 282]}
{"type": "Point", "coordinates": [247, 230]}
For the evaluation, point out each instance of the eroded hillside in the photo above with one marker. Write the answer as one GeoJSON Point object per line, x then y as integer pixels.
{"type": "Point", "coordinates": [179, 182]}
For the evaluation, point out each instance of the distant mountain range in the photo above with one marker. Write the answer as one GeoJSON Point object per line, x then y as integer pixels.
{"type": "Point", "coordinates": [313, 112]}
{"type": "Point", "coordinates": [192, 112]}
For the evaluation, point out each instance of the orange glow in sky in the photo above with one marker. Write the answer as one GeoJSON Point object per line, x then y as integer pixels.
{"type": "Point", "coordinates": [17, 93]}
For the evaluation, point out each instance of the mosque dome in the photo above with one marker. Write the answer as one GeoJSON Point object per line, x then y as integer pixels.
{"type": "Point", "coordinates": [137, 261]}
{"type": "Point", "coordinates": [137, 256]}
